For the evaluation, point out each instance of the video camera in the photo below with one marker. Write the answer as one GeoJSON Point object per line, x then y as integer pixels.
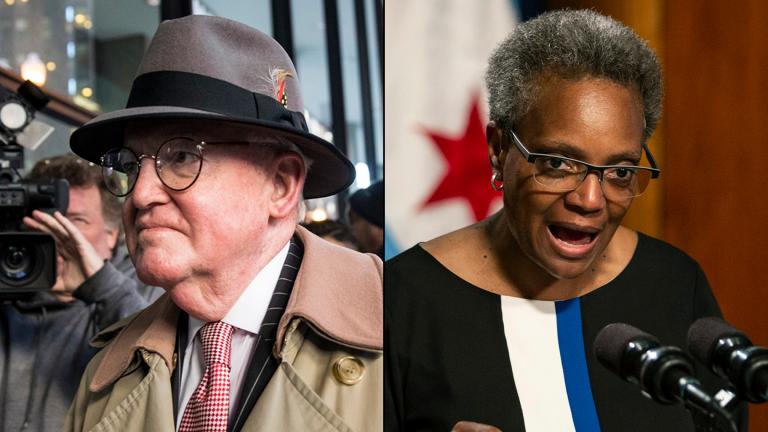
{"type": "Point", "coordinates": [27, 258]}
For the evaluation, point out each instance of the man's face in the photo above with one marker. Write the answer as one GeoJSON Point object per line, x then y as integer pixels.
{"type": "Point", "coordinates": [211, 232]}
{"type": "Point", "coordinates": [85, 211]}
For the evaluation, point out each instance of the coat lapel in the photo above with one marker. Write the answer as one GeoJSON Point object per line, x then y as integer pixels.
{"type": "Point", "coordinates": [153, 329]}
{"type": "Point", "coordinates": [263, 364]}
{"type": "Point", "coordinates": [181, 348]}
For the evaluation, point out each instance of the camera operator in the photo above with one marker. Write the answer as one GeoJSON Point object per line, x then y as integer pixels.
{"type": "Point", "coordinates": [45, 338]}
{"type": "Point", "coordinates": [96, 213]}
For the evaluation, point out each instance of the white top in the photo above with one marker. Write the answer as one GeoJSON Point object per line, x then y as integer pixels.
{"type": "Point", "coordinates": [530, 327]}
{"type": "Point", "coordinates": [245, 316]}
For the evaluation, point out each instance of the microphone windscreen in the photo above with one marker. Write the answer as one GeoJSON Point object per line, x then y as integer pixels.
{"type": "Point", "coordinates": [704, 334]}
{"type": "Point", "coordinates": [611, 344]}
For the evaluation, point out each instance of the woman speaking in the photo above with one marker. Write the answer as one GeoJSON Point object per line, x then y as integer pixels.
{"type": "Point", "coordinates": [494, 323]}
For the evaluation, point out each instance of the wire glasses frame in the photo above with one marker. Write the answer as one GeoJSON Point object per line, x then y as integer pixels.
{"type": "Point", "coordinates": [565, 174]}
{"type": "Point", "coordinates": [178, 163]}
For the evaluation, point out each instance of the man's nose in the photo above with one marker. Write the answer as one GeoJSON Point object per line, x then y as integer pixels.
{"type": "Point", "coordinates": [148, 188]}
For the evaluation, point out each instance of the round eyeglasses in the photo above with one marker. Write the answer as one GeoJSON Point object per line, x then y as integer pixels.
{"type": "Point", "coordinates": [178, 162]}
{"type": "Point", "coordinates": [564, 174]}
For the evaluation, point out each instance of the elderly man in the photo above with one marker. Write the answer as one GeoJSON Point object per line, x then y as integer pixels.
{"type": "Point", "coordinates": [264, 326]}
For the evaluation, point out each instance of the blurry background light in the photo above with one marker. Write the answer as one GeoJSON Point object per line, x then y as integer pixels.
{"type": "Point", "coordinates": [363, 177]}
{"type": "Point", "coordinates": [86, 103]}
{"type": "Point", "coordinates": [33, 69]}
{"type": "Point", "coordinates": [318, 215]}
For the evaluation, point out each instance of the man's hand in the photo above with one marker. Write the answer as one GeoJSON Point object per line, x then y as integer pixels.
{"type": "Point", "coordinates": [465, 426]}
{"type": "Point", "coordinates": [77, 258]}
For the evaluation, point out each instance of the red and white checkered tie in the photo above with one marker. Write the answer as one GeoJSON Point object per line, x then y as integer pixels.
{"type": "Point", "coordinates": [208, 408]}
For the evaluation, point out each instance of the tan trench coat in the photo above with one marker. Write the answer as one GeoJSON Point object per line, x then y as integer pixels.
{"type": "Point", "coordinates": [329, 345]}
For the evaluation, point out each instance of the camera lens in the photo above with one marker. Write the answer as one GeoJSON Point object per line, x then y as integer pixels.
{"type": "Point", "coordinates": [16, 263]}
{"type": "Point", "coordinates": [27, 263]}
{"type": "Point", "coordinates": [16, 258]}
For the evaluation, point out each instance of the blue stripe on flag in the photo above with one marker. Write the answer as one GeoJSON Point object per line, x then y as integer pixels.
{"type": "Point", "coordinates": [390, 247]}
{"type": "Point", "coordinates": [574, 360]}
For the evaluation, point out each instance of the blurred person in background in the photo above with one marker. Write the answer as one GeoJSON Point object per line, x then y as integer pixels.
{"type": "Point", "coordinates": [333, 231]}
{"type": "Point", "coordinates": [366, 218]}
{"type": "Point", "coordinates": [97, 214]}
{"type": "Point", "coordinates": [44, 339]}
{"type": "Point", "coordinates": [494, 323]}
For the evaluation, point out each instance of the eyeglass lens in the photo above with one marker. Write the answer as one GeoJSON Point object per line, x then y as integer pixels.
{"type": "Point", "coordinates": [177, 162]}
{"type": "Point", "coordinates": [566, 175]}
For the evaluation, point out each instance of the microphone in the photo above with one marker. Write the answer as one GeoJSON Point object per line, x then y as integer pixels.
{"type": "Point", "coordinates": [638, 357]}
{"type": "Point", "coordinates": [664, 373]}
{"type": "Point", "coordinates": [730, 354]}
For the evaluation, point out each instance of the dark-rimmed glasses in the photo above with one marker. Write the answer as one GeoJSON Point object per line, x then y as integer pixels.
{"type": "Point", "coordinates": [178, 162]}
{"type": "Point", "coordinates": [564, 174]}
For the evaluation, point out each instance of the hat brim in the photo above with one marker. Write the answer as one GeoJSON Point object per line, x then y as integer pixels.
{"type": "Point", "coordinates": [330, 172]}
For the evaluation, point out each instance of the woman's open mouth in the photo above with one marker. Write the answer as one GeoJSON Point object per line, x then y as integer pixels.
{"type": "Point", "coordinates": [572, 241]}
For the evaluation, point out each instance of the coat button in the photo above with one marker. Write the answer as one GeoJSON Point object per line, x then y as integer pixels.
{"type": "Point", "coordinates": [348, 370]}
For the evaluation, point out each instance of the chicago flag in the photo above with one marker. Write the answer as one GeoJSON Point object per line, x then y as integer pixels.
{"type": "Point", "coordinates": [437, 171]}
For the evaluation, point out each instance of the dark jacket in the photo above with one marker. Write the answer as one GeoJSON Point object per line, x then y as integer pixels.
{"type": "Point", "coordinates": [44, 347]}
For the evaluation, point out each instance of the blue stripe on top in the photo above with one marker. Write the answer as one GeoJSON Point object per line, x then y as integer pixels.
{"type": "Point", "coordinates": [574, 360]}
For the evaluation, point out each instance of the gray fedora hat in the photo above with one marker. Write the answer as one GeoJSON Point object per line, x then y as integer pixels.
{"type": "Point", "coordinates": [205, 67]}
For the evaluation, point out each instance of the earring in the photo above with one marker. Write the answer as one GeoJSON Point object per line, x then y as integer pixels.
{"type": "Point", "coordinates": [496, 183]}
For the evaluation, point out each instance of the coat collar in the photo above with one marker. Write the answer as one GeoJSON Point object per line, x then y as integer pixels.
{"type": "Point", "coordinates": [338, 291]}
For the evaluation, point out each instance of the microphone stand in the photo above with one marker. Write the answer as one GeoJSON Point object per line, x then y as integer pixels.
{"type": "Point", "coordinates": [710, 414]}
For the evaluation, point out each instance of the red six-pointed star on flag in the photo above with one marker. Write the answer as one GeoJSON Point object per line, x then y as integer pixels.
{"type": "Point", "coordinates": [469, 173]}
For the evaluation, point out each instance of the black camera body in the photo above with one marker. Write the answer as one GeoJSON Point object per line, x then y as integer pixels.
{"type": "Point", "coordinates": [27, 258]}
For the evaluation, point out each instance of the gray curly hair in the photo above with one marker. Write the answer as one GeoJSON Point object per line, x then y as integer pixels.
{"type": "Point", "coordinates": [570, 44]}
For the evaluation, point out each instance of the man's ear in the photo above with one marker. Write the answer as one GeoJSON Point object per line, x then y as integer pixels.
{"type": "Point", "coordinates": [288, 178]}
{"type": "Point", "coordinates": [496, 146]}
